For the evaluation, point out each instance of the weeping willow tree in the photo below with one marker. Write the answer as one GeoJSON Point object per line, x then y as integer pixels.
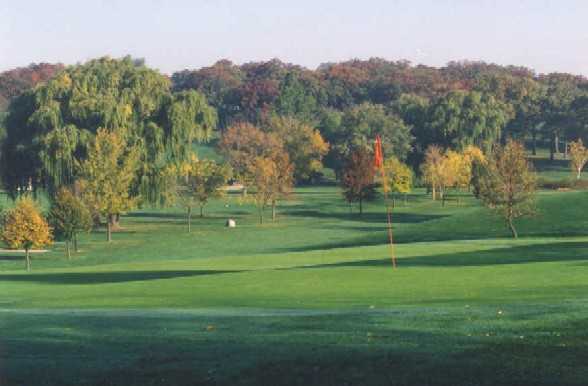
{"type": "Point", "coordinates": [461, 119]}
{"type": "Point", "coordinates": [50, 127]}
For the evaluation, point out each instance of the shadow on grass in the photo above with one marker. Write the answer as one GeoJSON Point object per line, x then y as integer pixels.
{"type": "Point", "coordinates": [161, 215]}
{"type": "Point", "coordinates": [369, 217]}
{"type": "Point", "coordinates": [12, 257]}
{"type": "Point", "coordinates": [362, 349]}
{"type": "Point", "coordinates": [182, 216]}
{"type": "Point", "coordinates": [106, 277]}
{"type": "Point", "coordinates": [546, 165]}
{"type": "Point", "coordinates": [543, 253]}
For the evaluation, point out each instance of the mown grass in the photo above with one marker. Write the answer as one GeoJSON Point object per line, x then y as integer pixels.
{"type": "Point", "coordinates": [309, 300]}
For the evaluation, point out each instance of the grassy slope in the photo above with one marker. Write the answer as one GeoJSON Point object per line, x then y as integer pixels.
{"type": "Point", "coordinates": [310, 300]}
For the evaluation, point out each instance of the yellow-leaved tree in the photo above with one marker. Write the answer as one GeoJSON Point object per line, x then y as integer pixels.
{"type": "Point", "coordinates": [107, 175]}
{"type": "Point", "coordinates": [578, 157]}
{"type": "Point", "coordinates": [273, 179]}
{"type": "Point", "coordinates": [24, 227]}
{"type": "Point", "coordinates": [303, 143]}
{"type": "Point", "coordinates": [450, 169]}
{"type": "Point", "coordinates": [457, 171]}
{"type": "Point", "coordinates": [432, 169]}
{"type": "Point", "coordinates": [198, 182]}
{"type": "Point", "coordinates": [398, 178]}
{"type": "Point", "coordinates": [474, 154]}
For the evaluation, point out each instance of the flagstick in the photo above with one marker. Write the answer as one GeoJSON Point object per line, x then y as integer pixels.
{"type": "Point", "coordinates": [379, 164]}
{"type": "Point", "coordinates": [389, 215]}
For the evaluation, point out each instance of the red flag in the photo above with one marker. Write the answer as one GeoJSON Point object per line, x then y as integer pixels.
{"type": "Point", "coordinates": [378, 156]}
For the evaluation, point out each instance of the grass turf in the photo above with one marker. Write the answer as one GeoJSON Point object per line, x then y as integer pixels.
{"type": "Point", "coordinates": [309, 300]}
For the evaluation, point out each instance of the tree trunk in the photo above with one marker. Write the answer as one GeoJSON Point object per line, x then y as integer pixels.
{"type": "Point", "coordinates": [552, 148]}
{"type": "Point", "coordinates": [75, 243]}
{"type": "Point", "coordinates": [114, 221]}
{"type": "Point", "coordinates": [189, 219]}
{"type": "Point", "coordinates": [201, 211]}
{"type": "Point", "coordinates": [109, 228]}
{"type": "Point", "coordinates": [273, 210]}
{"type": "Point", "coordinates": [513, 231]}
{"type": "Point", "coordinates": [393, 201]}
{"type": "Point", "coordinates": [579, 174]}
{"type": "Point", "coordinates": [534, 141]}
{"type": "Point", "coordinates": [442, 196]}
{"type": "Point", "coordinates": [67, 250]}
{"type": "Point", "coordinates": [434, 190]}
{"type": "Point", "coordinates": [28, 259]}
{"type": "Point", "coordinates": [556, 143]}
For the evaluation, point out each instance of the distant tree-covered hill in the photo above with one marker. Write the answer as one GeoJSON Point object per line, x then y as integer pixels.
{"type": "Point", "coordinates": [14, 82]}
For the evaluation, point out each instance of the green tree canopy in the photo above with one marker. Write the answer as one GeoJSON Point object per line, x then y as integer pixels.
{"type": "Point", "coordinates": [49, 127]}
{"type": "Point", "coordinates": [358, 129]}
{"type": "Point", "coordinates": [464, 118]}
{"type": "Point", "coordinates": [68, 217]}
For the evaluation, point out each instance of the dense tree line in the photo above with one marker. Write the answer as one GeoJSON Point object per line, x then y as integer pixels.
{"type": "Point", "coordinates": [16, 81]}
{"type": "Point", "coordinates": [108, 135]}
{"type": "Point", "coordinates": [411, 107]}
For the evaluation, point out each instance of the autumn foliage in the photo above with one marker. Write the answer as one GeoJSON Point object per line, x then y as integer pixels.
{"type": "Point", "coordinates": [303, 143]}
{"type": "Point", "coordinates": [398, 177]}
{"type": "Point", "coordinates": [578, 157]}
{"type": "Point", "coordinates": [107, 175]}
{"type": "Point", "coordinates": [25, 228]}
{"type": "Point", "coordinates": [358, 179]}
{"type": "Point", "coordinates": [508, 183]}
{"type": "Point", "coordinates": [198, 182]}
{"type": "Point", "coordinates": [69, 216]}
{"type": "Point", "coordinates": [273, 179]}
{"type": "Point", "coordinates": [443, 170]}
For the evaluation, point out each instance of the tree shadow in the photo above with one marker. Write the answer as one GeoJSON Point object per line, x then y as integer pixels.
{"type": "Point", "coordinates": [12, 257]}
{"type": "Point", "coordinates": [546, 165]}
{"type": "Point", "coordinates": [181, 216]}
{"type": "Point", "coordinates": [107, 277]}
{"type": "Point", "coordinates": [543, 253]}
{"type": "Point", "coordinates": [162, 215]}
{"type": "Point", "coordinates": [369, 217]}
{"type": "Point", "coordinates": [348, 349]}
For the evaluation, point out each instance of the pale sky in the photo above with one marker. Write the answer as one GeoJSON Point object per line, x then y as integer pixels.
{"type": "Point", "coordinates": [546, 35]}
